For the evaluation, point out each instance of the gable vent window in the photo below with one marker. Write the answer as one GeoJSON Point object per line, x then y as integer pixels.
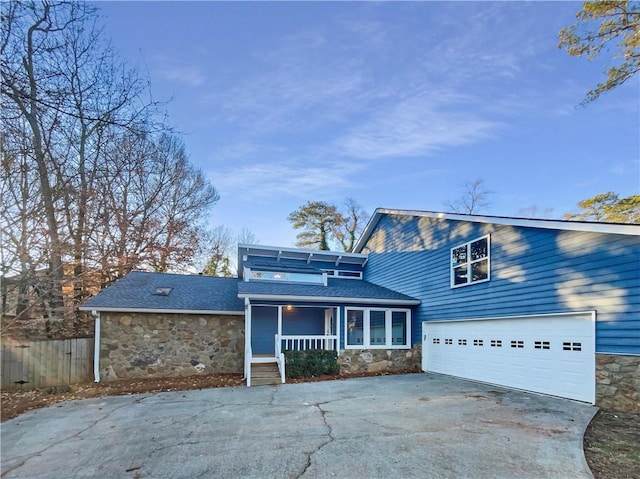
{"type": "Point", "coordinates": [162, 291]}
{"type": "Point", "coordinates": [470, 263]}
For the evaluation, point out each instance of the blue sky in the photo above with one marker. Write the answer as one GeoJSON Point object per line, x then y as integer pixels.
{"type": "Point", "coordinates": [393, 104]}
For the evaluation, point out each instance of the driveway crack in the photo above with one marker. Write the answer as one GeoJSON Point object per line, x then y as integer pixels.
{"type": "Point", "coordinates": [28, 457]}
{"type": "Point", "coordinates": [330, 438]}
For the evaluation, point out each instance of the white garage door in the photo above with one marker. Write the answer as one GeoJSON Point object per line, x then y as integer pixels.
{"type": "Point", "coordinates": [551, 354]}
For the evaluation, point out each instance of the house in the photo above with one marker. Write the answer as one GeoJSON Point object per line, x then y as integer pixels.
{"type": "Point", "coordinates": [155, 324]}
{"type": "Point", "coordinates": [542, 305]}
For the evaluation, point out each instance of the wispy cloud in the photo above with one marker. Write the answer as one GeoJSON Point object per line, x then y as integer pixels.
{"type": "Point", "coordinates": [286, 179]}
{"type": "Point", "coordinates": [177, 71]}
{"type": "Point", "coordinates": [417, 126]}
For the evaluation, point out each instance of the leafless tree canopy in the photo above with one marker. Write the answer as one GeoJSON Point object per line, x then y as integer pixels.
{"type": "Point", "coordinates": [92, 185]}
{"type": "Point", "coordinates": [473, 199]}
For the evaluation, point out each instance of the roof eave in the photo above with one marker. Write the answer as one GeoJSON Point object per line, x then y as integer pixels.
{"type": "Point", "coordinates": [332, 299]}
{"type": "Point", "coordinates": [158, 310]}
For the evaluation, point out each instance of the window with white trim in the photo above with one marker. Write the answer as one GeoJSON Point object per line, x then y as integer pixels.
{"type": "Point", "coordinates": [470, 262]}
{"type": "Point", "coordinates": [384, 328]}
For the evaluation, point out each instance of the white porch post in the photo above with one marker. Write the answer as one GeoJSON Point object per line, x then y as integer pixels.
{"type": "Point", "coordinates": [247, 341]}
{"type": "Point", "coordinates": [338, 329]}
{"type": "Point", "coordinates": [328, 315]}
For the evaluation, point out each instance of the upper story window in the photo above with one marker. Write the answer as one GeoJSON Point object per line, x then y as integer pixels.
{"type": "Point", "coordinates": [287, 276]}
{"type": "Point", "coordinates": [470, 262]}
{"type": "Point", "coordinates": [344, 274]}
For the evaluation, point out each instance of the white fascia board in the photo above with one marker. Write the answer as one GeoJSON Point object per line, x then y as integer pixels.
{"type": "Point", "coordinates": [168, 311]}
{"type": "Point", "coordinates": [517, 316]}
{"type": "Point", "coordinates": [563, 225]}
{"type": "Point", "coordinates": [332, 299]}
{"type": "Point", "coordinates": [319, 255]}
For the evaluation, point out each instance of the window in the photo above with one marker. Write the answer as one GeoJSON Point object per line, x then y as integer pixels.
{"type": "Point", "coordinates": [343, 274]}
{"type": "Point", "coordinates": [355, 327]}
{"type": "Point", "coordinates": [383, 328]}
{"type": "Point", "coordinates": [286, 276]}
{"type": "Point", "coordinates": [470, 263]}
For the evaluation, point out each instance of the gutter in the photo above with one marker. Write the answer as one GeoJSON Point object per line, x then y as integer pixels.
{"type": "Point", "coordinates": [96, 347]}
{"type": "Point", "coordinates": [160, 311]}
{"type": "Point", "coordinates": [329, 299]}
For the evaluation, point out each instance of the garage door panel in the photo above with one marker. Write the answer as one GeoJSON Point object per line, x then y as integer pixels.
{"type": "Point", "coordinates": [548, 354]}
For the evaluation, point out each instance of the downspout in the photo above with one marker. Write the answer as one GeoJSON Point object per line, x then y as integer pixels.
{"type": "Point", "coordinates": [96, 347]}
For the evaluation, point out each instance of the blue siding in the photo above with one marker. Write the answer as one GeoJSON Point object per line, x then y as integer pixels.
{"type": "Point", "coordinates": [303, 321]}
{"type": "Point", "coordinates": [533, 271]}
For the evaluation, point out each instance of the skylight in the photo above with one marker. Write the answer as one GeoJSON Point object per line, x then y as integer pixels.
{"type": "Point", "coordinates": [162, 291]}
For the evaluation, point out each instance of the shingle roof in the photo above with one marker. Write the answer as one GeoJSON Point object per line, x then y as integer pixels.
{"type": "Point", "coordinates": [188, 293]}
{"type": "Point", "coordinates": [351, 290]}
{"type": "Point", "coordinates": [138, 290]}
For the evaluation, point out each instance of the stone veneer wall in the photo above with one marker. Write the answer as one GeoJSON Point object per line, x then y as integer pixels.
{"type": "Point", "coordinates": [618, 382]}
{"type": "Point", "coordinates": [353, 361]}
{"type": "Point", "coordinates": [134, 345]}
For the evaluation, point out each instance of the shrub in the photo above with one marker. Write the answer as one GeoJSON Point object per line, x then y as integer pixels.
{"type": "Point", "coordinates": [310, 363]}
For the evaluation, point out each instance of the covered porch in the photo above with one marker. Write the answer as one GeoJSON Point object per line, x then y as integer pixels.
{"type": "Point", "coordinates": [271, 329]}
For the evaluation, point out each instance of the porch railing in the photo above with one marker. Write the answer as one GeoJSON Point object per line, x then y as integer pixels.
{"type": "Point", "coordinates": [280, 358]}
{"type": "Point", "coordinates": [300, 343]}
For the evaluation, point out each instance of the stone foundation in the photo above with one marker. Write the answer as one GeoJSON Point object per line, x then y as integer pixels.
{"type": "Point", "coordinates": [354, 361]}
{"type": "Point", "coordinates": [136, 345]}
{"type": "Point", "coordinates": [618, 382]}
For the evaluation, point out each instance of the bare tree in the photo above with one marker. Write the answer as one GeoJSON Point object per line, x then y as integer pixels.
{"type": "Point", "coordinates": [534, 211]}
{"type": "Point", "coordinates": [220, 252]}
{"type": "Point", "coordinates": [82, 151]}
{"type": "Point", "coordinates": [472, 200]}
{"type": "Point", "coordinates": [351, 224]}
{"type": "Point", "coordinates": [152, 215]}
{"type": "Point", "coordinates": [246, 236]}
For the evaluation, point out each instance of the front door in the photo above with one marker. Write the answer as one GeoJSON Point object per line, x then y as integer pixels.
{"type": "Point", "coordinates": [264, 327]}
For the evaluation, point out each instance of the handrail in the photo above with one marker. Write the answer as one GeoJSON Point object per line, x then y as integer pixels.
{"type": "Point", "coordinates": [280, 358]}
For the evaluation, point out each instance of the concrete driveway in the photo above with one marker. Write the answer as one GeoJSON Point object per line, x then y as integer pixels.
{"type": "Point", "coordinates": [417, 425]}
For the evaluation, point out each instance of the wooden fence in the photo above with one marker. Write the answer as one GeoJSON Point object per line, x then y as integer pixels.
{"type": "Point", "coordinates": [30, 364]}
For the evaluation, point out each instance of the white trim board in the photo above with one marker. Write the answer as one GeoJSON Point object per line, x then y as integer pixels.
{"type": "Point", "coordinates": [327, 299]}
{"type": "Point", "coordinates": [167, 311]}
